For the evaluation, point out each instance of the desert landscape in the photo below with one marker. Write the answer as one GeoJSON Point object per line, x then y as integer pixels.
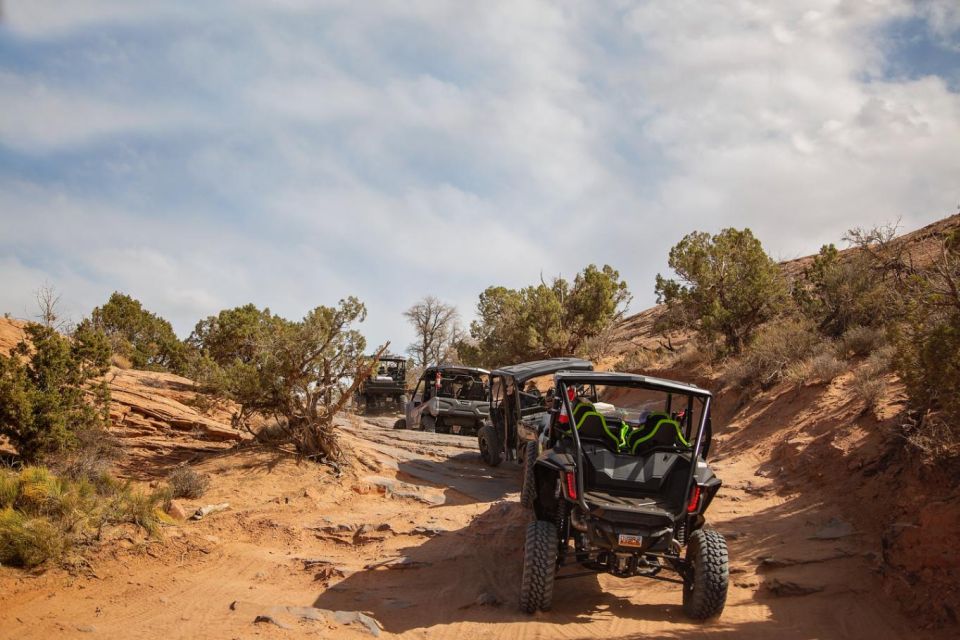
{"type": "Point", "coordinates": [420, 537]}
{"type": "Point", "coordinates": [508, 319]}
{"type": "Point", "coordinates": [831, 532]}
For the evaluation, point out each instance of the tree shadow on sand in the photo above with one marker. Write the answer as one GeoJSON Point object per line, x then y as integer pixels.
{"type": "Point", "coordinates": [473, 575]}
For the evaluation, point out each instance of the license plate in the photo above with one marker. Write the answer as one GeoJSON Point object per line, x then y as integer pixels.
{"type": "Point", "coordinates": [627, 540]}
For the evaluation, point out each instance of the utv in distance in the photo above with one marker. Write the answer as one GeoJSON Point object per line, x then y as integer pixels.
{"type": "Point", "coordinates": [619, 483]}
{"type": "Point", "coordinates": [385, 388]}
{"type": "Point", "coordinates": [448, 399]}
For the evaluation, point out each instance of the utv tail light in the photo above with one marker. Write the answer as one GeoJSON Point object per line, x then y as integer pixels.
{"type": "Point", "coordinates": [563, 418]}
{"type": "Point", "coordinates": [694, 503]}
{"type": "Point", "coordinates": [571, 394]}
{"type": "Point", "coordinates": [571, 480]}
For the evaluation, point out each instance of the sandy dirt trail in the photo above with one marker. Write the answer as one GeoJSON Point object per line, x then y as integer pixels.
{"type": "Point", "coordinates": [418, 534]}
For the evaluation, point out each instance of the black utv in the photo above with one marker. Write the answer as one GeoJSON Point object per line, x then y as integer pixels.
{"type": "Point", "coordinates": [618, 482]}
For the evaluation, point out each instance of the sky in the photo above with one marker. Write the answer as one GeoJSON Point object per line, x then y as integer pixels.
{"type": "Point", "coordinates": [289, 153]}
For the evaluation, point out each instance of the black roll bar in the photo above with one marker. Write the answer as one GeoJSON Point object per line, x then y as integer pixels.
{"type": "Point", "coordinates": [576, 439]}
{"type": "Point", "coordinates": [695, 455]}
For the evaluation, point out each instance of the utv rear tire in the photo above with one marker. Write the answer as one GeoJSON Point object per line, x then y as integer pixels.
{"type": "Point", "coordinates": [400, 424]}
{"type": "Point", "coordinates": [539, 567]}
{"type": "Point", "coordinates": [489, 445]}
{"type": "Point", "coordinates": [428, 424]}
{"type": "Point", "coordinates": [528, 490]}
{"type": "Point", "coordinates": [705, 586]}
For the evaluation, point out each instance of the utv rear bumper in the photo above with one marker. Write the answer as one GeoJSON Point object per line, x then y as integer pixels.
{"type": "Point", "coordinates": [628, 524]}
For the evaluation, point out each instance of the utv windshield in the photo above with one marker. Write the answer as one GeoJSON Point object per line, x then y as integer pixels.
{"type": "Point", "coordinates": [389, 371]}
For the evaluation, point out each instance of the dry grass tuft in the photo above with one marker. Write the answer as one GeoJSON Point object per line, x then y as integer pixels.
{"type": "Point", "coordinates": [43, 515]}
{"type": "Point", "coordinates": [861, 341]}
{"type": "Point", "coordinates": [27, 541]}
{"type": "Point", "coordinates": [869, 386]}
{"type": "Point", "coordinates": [771, 357]}
{"type": "Point", "coordinates": [187, 483]}
{"type": "Point", "coordinates": [826, 366]}
{"type": "Point", "coordinates": [636, 361]}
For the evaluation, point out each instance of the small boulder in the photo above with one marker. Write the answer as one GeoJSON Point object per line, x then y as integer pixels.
{"type": "Point", "coordinates": [834, 529]}
{"type": "Point", "coordinates": [270, 619]}
{"type": "Point", "coordinates": [176, 510]}
{"type": "Point", "coordinates": [786, 588]}
{"type": "Point", "coordinates": [487, 599]}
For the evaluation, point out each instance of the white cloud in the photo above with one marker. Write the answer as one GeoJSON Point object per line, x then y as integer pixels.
{"type": "Point", "coordinates": [49, 18]}
{"type": "Point", "coordinates": [292, 153]}
{"type": "Point", "coordinates": [775, 118]}
{"type": "Point", "coordinates": [38, 117]}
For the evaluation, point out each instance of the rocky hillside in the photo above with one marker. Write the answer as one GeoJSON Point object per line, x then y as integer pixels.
{"type": "Point", "coordinates": [821, 439]}
{"type": "Point", "coordinates": [639, 331]}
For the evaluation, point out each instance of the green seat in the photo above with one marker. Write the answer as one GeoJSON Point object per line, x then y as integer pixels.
{"type": "Point", "coordinates": [592, 425]}
{"type": "Point", "coordinates": [659, 430]}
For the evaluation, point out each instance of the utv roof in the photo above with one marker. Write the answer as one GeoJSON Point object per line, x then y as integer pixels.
{"type": "Point", "coordinates": [390, 358]}
{"type": "Point", "coordinates": [456, 367]}
{"type": "Point", "coordinates": [526, 370]}
{"type": "Point", "coordinates": [631, 380]}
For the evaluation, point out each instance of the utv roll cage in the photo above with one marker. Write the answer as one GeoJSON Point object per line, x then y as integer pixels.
{"type": "Point", "coordinates": [568, 383]}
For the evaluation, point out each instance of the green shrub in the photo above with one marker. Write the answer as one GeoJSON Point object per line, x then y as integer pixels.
{"type": "Point", "coordinates": [142, 508]}
{"type": "Point", "coordinates": [544, 320]}
{"type": "Point", "coordinates": [841, 291]}
{"type": "Point", "coordinates": [41, 493]}
{"type": "Point", "coordinates": [187, 483]}
{"type": "Point", "coordinates": [139, 337]}
{"type": "Point", "coordinates": [303, 373]}
{"type": "Point", "coordinates": [726, 287]}
{"type": "Point", "coordinates": [49, 393]}
{"type": "Point", "coordinates": [927, 356]}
